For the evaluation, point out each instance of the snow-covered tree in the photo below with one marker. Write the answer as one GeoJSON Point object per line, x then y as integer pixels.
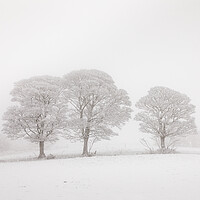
{"type": "Point", "coordinates": [38, 114]}
{"type": "Point", "coordinates": [96, 106]}
{"type": "Point", "coordinates": [167, 114]}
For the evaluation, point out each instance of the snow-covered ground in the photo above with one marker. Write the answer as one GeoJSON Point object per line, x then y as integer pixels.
{"type": "Point", "coordinates": [128, 177]}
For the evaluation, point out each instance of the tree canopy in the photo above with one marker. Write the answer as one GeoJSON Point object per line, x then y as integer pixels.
{"type": "Point", "coordinates": [96, 106]}
{"type": "Point", "coordinates": [39, 114]}
{"type": "Point", "coordinates": [165, 113]}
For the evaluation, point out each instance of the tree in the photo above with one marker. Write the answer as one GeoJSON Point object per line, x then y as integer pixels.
{"type": "Point", "coordinates": [39, 113]}
{"type": "Point", "coordinates": [166, 115]}
{"type": "Point", "coordinates": [96, 106]}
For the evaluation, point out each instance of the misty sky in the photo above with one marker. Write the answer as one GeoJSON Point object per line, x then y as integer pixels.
{"type": "Point", "coordinates": [140, 43]}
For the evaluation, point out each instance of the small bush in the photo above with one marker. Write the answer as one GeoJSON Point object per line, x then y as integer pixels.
{"type": "Point", "coordinates": [162, 151]}
{"type": "Point", "coordinates": [50, 156]}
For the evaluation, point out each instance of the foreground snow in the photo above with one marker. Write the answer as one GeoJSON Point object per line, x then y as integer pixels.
{"type": "Point", "coordinates": [137, 177]}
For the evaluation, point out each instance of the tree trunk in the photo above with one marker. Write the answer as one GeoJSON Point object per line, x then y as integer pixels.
{"type": "Point", "coordinates": [85, 147]}
{"type": "Point", "coordinates": [41, 146]}
{"type": "Point", "coordinates": [86, 138]}
{"type": "Point", "coordinates": [162, 140]}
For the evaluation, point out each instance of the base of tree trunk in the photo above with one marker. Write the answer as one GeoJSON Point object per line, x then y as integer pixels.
{"type": "Point", "coordinates": [85, 154]}
{"type": "Point", "coordinates": [163, 150]}
{"type": "Point", "coordinates": [41, 156]}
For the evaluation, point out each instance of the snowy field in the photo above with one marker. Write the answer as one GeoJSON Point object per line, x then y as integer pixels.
{"type": "Point", "coordinates": [128, 177]}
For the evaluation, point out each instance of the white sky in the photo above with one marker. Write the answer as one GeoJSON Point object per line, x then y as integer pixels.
{"type": "Point", "coordinates": [140, 43]}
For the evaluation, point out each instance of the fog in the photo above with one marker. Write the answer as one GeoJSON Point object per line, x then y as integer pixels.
{"type": "Point", "coordinates": [141, 44]}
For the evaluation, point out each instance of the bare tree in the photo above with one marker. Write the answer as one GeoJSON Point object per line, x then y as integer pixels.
{"type": "Point", "coordinates": [39, 113]}
{"type": "Point", "coordinates": [96, 106]}
{"type": "Point", "coordinates": [166, 114]}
